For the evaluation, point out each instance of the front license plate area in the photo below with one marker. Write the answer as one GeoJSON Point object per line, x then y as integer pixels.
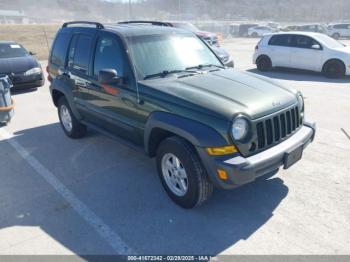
{"type": "Point", "coordinates": [293, 156]}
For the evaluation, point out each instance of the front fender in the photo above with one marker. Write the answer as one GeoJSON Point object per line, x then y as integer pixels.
{"type": "Point", "coordinates": [198, 134]}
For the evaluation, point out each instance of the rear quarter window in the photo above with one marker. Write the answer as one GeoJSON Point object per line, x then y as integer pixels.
{"type": "Point", "coordinates": [59, 49]}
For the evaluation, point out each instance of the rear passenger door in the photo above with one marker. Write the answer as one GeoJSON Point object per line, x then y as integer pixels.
{"type": "Point", "coordinates": [78, 67]}
{"type": "Point", "coordinates": [280, 50]}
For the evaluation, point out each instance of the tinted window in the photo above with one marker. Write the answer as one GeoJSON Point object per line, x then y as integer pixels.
{"type": "Point", "coordinates": [59, 50]}
{"type": "Point", "coordinates": [79, 53]}
{"type": "Point", "coordinates": [12, 50]}
{"type": "Point", "coordinates": [281, 40]}
{"type": "Point", "coordinates": [341, 26]}
{"type": "Point", "coordinates": [302, 41]}
{"type": "Point", "coordinates": [108, 55]}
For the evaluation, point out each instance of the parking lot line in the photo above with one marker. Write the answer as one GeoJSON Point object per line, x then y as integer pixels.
{"type": "Point", "coordinates": [112, 238]}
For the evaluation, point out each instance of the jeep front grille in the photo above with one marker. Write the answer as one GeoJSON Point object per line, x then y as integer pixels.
{"type": "Point", "coordinates": [278, 127]}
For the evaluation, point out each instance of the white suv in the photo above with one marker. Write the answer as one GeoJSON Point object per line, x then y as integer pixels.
{"type": "Point", "coordinates": [303, 50]}
{"type": "Point", "coordinates": [339, 30]}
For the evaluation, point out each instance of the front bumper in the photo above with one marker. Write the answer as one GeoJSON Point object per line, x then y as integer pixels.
{"type": "Point", "coordinates": [243, 170]}
{"type": "Point", "coordinates": [21, 81]}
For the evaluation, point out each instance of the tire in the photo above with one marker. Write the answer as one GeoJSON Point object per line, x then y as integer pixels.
{"type": "Point", "coordinates": [334, 69]}
{"type": "Point", "coordinates": [336, 35]}
{"type": "Point", "coordinates": [263, 63]}
{"type": "Point", "coordinates": [76, 129]}
{"type": "Point", "coordinates": [199, 188]}
{"type": "Point", "coordinates": [255, 34]}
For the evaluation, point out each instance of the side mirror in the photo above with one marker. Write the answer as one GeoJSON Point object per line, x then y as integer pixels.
{"type": "Point", "coordinates": [317, 47]}
{"type": "Point", "coordinates": [32, 53]}
{"type": "Point", "coordinates": [109, 76]}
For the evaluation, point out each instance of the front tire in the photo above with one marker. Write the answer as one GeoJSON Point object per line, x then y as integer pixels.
{"type": "Point", "coordinates": [255, 35]}
{"type": "Point", "coordinates": [334, 69]}
{"type": "Point", "coordinates": [336, 36]}
{"type": "Point", "coordinates": [70, 125]}
{"type": "Point", "coordinates": [263, 63]}
{"type": "Point", "coordinates": [182, 174]}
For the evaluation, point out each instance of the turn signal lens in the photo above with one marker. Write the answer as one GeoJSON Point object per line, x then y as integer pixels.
{"type": "Point", "coordinates": [218, 151]}
{"type": "Point", "coordinates": [222, 174]}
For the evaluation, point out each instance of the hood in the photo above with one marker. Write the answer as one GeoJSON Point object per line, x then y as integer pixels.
{"type": "Point", "coordinates": [17, 64]}
{"type": "Point", "coordinates": [228, 92]}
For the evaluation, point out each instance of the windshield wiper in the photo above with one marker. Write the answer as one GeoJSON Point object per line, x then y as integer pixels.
{"type": "Point", "coordinates": [168, 72]}
{"type": "Point", "coordinates": [205, 65]}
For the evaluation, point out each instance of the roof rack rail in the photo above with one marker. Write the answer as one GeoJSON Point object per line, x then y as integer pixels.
{"type": "Point", "coordinates": [98, 25]}
{"type": "Point", "coordinates": [146, 22]}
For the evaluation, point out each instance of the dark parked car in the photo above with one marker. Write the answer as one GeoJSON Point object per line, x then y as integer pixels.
{"type": "Point", "coordinates": [210, 38]}
{"type": "Point", "coordinates": [163, 91]}
{"type": "Point", "coordinates": [19, 64]}
{"type": "Point", "coordinates": [243, 29]}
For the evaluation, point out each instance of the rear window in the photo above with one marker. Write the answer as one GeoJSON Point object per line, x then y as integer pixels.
{"type": "Point", "coordinates": [281, 40]}
{"type": "Point", "coordinates": [59, 50]}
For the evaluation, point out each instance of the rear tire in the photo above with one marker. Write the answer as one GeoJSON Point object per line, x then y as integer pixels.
{"type": "Point", "coordinates": [263, 63]}
{"type": "Point", "coordinates": [70, 125]}
{"type": "Point", "coordinates": [336, 36]}
{"type": "Point", "coordinates": [334, 69]}
{"type": "Point", "coordinates": [196, 188]}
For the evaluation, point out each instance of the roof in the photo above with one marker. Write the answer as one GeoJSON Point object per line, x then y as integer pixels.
{"type": "Point", "coordinates": [296, 33]}
{"type": "Point", "coordinates": [128, 30]}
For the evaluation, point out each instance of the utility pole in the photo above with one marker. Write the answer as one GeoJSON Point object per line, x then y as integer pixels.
{"type": "Point", "coordinates": [130, 11]}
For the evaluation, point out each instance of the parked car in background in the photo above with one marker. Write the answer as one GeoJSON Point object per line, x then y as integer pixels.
{"type": "Point", "coordinates": [210, 38]}
{"type": "Point", "coordinates": [163, 91]}
{"type": "Point", "coordinates": [316, 28]}
{"type": "Point", "coordinates": [339, 30]}
{"type": "Point", "coordinates": [20, 65]}
{"type": "Point", "coordinates": [289, 28]}
{"type": "Point", "coordinates": [303, 50]}
{"type": "Point", "coordinates": [243, 29]}
{"type": "Point", "coordinates": [258, 31]}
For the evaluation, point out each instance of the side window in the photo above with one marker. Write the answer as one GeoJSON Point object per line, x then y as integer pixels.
{"type": "Point", "coordinates": [302, 41]}
{"type": "Point", "coordinates": [79, 53]}
{"type": "Point", "coordinates": [109, 55]}
{"type": "Point", "coordinates": [280, 40]}
{"type": "Point", "coordinates": [59, 50]}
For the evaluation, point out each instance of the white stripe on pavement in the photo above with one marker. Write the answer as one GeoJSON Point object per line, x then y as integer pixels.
{"type": "Point", "coordinates": [88, 215]}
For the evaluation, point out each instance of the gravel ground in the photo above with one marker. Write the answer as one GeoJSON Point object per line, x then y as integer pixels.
{"type": "Point", "coordinates": [95, 196]}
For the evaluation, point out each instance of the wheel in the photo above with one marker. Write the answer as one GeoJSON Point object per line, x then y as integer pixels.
{"type": "Point", "coordinates": [70, 125]}
{"type": "Point", "coordinates": [182, 174]}
{"type": "Point", "coordinates": [255, 34]}
{"type": "Point", "coordinates": [336, 35]}
{"type": "Point", "coordinates": [264, 63]}
{"type": "Point", "coordinates": [334, 69]}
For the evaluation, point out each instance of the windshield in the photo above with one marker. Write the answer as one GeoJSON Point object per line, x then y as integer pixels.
{"type": "Point", "coordinates": [153, 54]}
{"type": "Point", "coordinates": [12, 50]}
{"type": "Point", "coordinates": [330, 42]}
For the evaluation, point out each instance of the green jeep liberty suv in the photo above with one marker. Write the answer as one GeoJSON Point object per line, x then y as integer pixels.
{"type": "Point", "coordinates": [164, 91]}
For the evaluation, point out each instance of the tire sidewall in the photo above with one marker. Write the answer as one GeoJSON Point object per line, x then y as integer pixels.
{"type": "Point", "coordinates": [63, 101]}
{"type": "Point", "coordinates": [264, 63]}
{"type": "Point", "coordinates": [189, 200]}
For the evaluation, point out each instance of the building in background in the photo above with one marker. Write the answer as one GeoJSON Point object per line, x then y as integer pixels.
{"type": "Point", "coordinates": [12, 17]}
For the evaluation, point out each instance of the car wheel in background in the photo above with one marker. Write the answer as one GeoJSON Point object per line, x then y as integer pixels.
{"type": "Point", "coordinates": [182, 174]}
{"type": "Point", "coordinates": [336, 35]}
{"type": "Point", "coordinates": [255, 34]}
{"type": "Point", "coordinates": [70, 125]}
{"type": "Point", "coordinates": [334, 69]}
{"type": "Point", "coordinates": [264, 63]}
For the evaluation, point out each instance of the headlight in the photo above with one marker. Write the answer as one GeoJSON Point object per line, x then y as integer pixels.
{"type": "Point", "coordinates": [33, 71]}
{"type": "Point", "coordinates": [239, 128]}
{"type": "Point", "coordinates": [301, 102]}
